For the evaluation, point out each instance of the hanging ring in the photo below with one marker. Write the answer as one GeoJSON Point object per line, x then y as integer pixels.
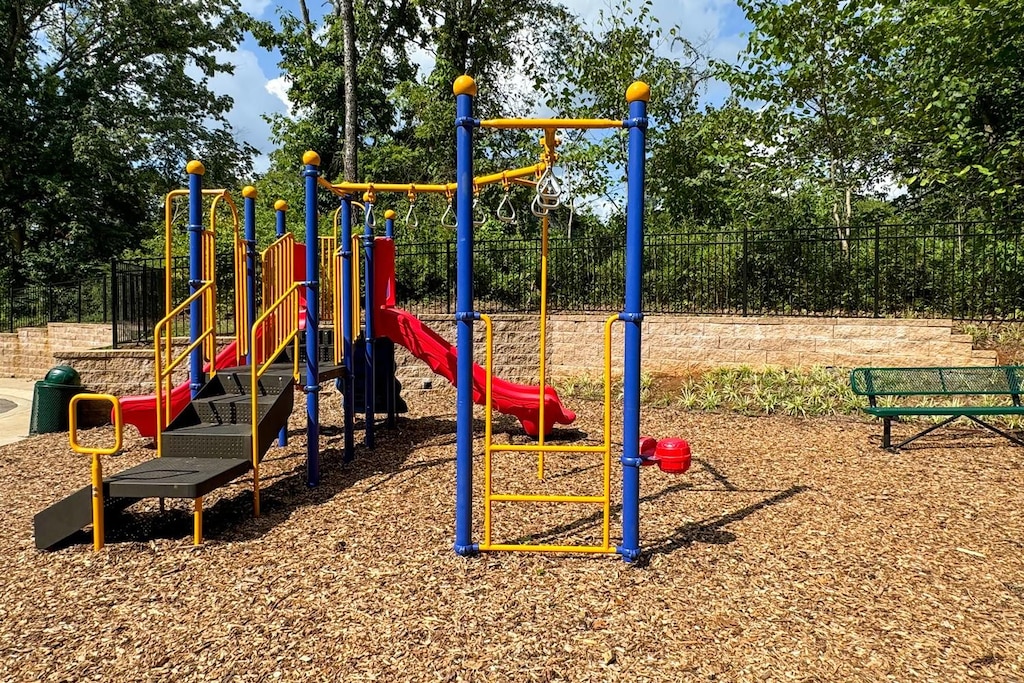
{"type": "Point", "coordinates": [478, 219]}
{"type": "Point", "coordinates": [537, 209]}
{"type": "Point", "coordinates": [506, 213]}
{"type": "Point", "coordinates": [449, 215]}
{"type": "Point", "coordinates": [411, 219]}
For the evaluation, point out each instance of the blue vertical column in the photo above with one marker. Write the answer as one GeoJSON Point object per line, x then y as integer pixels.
{"type": "Point", "coordinates": [312, 388]}
{"type": "Point", "coordinates": [389, 232]}
{"type": "Point", "coordinates": [195, 171]}
{"type": "Point", "coordinates": [637, 95]}
{"type": "Point", "coordinates": [281, 211]}
{"type": "Point", "coordinates": [465, 91]}
{"type": "Point", "coordinates": [368, 370]}
{"type": "Point", "coordinates": [249, 210]}
{"type": "Point", "coordinates": [347, 333]}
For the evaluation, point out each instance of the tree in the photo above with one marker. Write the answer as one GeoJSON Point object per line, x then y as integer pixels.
{"type": "Point", "coordinates": [103, 103]}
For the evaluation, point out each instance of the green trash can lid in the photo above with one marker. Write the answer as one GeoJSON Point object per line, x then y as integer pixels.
{"type": "Point", "coordinates": [64, 375]}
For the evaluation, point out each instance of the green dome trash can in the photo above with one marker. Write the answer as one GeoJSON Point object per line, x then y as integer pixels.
{"type": "Point", "coordinates": [51, 398]}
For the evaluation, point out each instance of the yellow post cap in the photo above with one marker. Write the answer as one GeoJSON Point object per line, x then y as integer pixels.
{"type": "Point", "coordinates": [464, 85]}
{"type": "Point", "coordinates": [249, 192]}
{"type": "Point", "coordinates": [195, 167]}
{"type": "Point", "coordinates": [280, 205]}
{"type": "Point", "coordinates": [311, 158]}
{"type": "Point", "coordinates": [389, 214]}
{"type": "Point", "coordinates": [638, 90]}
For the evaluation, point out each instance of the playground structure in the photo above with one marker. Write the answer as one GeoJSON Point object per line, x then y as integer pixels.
{"type": "Point", "coordinates": [220, 423]}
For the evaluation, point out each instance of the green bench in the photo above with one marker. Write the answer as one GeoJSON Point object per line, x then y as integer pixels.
{"type": "Point", "coordinates": [940, 382]}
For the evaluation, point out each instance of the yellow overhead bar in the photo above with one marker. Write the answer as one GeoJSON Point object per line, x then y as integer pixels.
{"type": "Point", "coordinates": [415, 188]}
{"type": "Point", "coordinates": [584, 124]}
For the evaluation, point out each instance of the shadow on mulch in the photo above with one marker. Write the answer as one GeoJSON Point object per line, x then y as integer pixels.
{"type": "Point", "coordinates": [707, 531]}
{"type": "Point", "coordinates": [230, 518]}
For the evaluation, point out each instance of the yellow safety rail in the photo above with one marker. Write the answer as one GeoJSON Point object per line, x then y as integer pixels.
{"type": "Point", "coordinates": [284, 316]}
{"type": "Point", "coordinates": [166, 361]}
{"type": "Point", "coordinates": [356, 299]}
{"type": "Point", "coordinates": [208, 266]}
{"type": "Point", "coordinates": [330, 286]}
{"type": "Point", "coordinates": [605, 449]}
{"type": "Point", "coordinates": [277, 263]}
{"type": "Point", "coordinates": [97, 466]}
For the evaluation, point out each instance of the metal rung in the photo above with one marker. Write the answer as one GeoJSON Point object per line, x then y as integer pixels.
{"type": "Point", "coordinates": [535, 448]}
{"type": "Point", "coordinates": [510, 547]}
{"type": "Point", "coordinates": [512, 497]}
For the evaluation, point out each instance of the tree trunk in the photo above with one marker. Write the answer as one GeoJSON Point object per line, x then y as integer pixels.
{"type": "Point", "coordinates": [348, 26]}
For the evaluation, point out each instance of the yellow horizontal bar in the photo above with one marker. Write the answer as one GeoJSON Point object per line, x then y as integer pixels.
{"type": "Point", "coordinates": [531, 498]}
{"type": "Point", "coordinates": [490, 179]}
{"type": "Point", "coordinates": [586, 124]}
{"type": "Point", "coordinates": [537, 448]}
{"type": "Point", "coordinates": [509, 547]}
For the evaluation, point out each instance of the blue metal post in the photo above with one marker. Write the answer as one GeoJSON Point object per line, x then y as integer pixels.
{"type": "Point", "coordinates": [312, 388]}
{"type": "Point", "coordinates": [281, 210]}
{"type": "Point", "coordinates": [465, 91]}
{"type": "Point", "coordinates": [368, 373]}
{"type": "Point", "coordinates": [195, 171]}
{"type": "Point", "coordinates": [637, 95]}
{"type": "Point", "coordinates": [389, 232]}
{"type": "Point", "coordinates": [349, 394]}
{"type": "Point", "coordinates": [249, 193]}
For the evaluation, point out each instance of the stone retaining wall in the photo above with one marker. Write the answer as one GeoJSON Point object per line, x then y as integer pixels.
{"type": "Point", "coordinates": [671, 345]}
{"type": "Point", "coordinates": [29, 352]}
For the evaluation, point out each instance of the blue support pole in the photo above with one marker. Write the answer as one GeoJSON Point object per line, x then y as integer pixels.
{"type": "Point", "coordinates": [637, 95]}
{"type": "Point", "coordinates": [281, 210]}
{"type": "Point", "coordinates": [249, 193]}
{"type": "Point", "coordinates": [312, 387]}
{"type": "Point", "coordinates": [349, 393]}
{"type": "Point", "coordinates": [389, 232]}
{"type": "Point", "coordinates": [195, 171]}
{"type": "Point", "coordinates": [368, 370]}
{"type": "Point", "coordinates": [465, 91]}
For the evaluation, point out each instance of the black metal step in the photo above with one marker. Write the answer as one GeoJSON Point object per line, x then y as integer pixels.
{"type": "Point", "coordinates": [208, 440]}
{"type": "Point", "coordinates": [232, 408]}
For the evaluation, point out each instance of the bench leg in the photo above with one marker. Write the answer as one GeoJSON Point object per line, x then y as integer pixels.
{"type": "Point", "coordinates": [926, 431]}
{"type": "Point", "coordinates": [886, 432]}
{"type": "Point", "coordinates": [998, 431]}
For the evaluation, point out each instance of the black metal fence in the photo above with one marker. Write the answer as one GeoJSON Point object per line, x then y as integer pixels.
{"type": "Point", "coordinates": [967, 271]}
{"type": "Point", "coordinates": [34, 305]}
{"type": "Point", "coordinates": [964, 271]}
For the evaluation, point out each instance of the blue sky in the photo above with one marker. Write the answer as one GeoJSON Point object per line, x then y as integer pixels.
{"type": "Point", "coordinates": [257, 88]}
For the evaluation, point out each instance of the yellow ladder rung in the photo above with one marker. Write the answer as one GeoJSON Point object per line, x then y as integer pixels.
{"type": "Point", "coordinates": [536, 448]}
{"type": "Point", "coordinates": [512, 547]}
{"type": "Point", "coordinates": [525, 498]}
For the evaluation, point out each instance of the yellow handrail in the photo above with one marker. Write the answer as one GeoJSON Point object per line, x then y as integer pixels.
{"type": "Point", "coordinates": [97, 467]}
{"type": "Point", "coordinates": [288, 304]}
{"type": "Point", "coordinates": [166, 362]}
{"type": "Point", "coordinates": [356, 309]}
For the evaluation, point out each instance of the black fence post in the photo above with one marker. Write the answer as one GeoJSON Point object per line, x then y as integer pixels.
{"type": "Point", "coordinates": [744, 269]}
{"type": "Point", "coordinates": [79, 302]}
{"type": "Point", "coordinates": [104, 295]}
{"type": "Point", "coordinates": [877, 271]}
{"type": "Point", "coordinates": [448, 276]}
{"type": "Point", "coordinates": [113, 302]}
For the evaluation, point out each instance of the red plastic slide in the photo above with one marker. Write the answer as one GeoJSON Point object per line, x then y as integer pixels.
{"type": "Point", "coordinates": [518, 400]}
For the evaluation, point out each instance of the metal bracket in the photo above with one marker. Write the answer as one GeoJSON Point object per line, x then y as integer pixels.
{"type": "Point", "coordinates": [464, 317]}
{"type": "Point", "coordinates": [467, 121]}
{"type": "Point", "coordinates": [640, 122]}
{"type": "Point", "coordinates": [631, 317]}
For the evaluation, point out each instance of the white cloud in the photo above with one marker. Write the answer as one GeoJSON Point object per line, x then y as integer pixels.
{"type": "Point", "coordinates": [250, 90]}
{"type": "Point", "coordinates": [278, 87]}
{"type": "Point", "coordinates": [255, 7]}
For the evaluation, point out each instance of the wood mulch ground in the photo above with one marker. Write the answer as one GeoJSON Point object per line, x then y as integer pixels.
{"type": "Point", "coordinates": [794, 549]}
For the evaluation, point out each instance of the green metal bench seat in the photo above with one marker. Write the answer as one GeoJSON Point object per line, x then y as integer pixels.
{"type": "Point", "coordinates": [1004, 380]}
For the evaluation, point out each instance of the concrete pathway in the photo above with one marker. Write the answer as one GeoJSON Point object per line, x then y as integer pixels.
{"type": "Point", "coordinates": [14, 422]}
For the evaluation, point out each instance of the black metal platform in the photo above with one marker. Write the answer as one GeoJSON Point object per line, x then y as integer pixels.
{"type": "Point", "coordinates": [175, 477]}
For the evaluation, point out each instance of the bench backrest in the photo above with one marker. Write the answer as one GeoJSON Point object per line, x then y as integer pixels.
{"type": "Point", "coordinates": [1006, 379]}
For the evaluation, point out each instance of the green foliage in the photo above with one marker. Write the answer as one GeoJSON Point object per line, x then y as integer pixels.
{"type": "Point", "coordinates": [102, 105]}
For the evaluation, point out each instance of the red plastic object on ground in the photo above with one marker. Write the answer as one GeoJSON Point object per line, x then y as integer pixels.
{"type": "Point", "coordinates": [673, 455]}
